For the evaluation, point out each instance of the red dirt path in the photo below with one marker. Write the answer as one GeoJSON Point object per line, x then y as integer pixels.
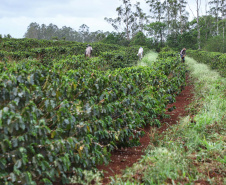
{"type": "Point", "coordinates": [121, 159]}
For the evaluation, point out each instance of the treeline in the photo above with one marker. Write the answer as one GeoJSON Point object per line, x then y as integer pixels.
{"type": "Point", "coordinates": [165, 24]}
{"type": "Point", "coordinates": [52, 32]}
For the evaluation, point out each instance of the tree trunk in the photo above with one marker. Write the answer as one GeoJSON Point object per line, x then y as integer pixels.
{"type": "Point", "coordinates": [198, 28]}
{"type": "Point", "coordinates": [223, 40]}
{"type": "Point", "coordinates": [127, 23]}
{"type": "Point", "coordinates": [206, 18]}
{"type": "Point", "coordinates": [181, 28]}
{"type": "Point", "coordinates": [217, 16]}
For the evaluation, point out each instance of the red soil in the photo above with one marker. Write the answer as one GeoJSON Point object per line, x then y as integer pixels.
{"type": "Point", "coordinates": [121, 159]}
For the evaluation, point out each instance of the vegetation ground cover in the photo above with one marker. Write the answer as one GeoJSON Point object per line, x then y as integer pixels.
{"type": "Point", "coordinates": [62, 114]}
{"type": "Point", "coordinates": [194, 150]}
{"type": "Point", "coordinates": [124, 158]}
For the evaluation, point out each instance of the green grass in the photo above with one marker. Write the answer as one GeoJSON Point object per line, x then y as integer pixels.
{"type": "Point", "coordinates": [194, 150]}
{"type": "Point", "coordinates": [148, 59]}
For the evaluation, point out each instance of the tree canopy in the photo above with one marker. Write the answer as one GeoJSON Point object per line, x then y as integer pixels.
{"type": "Point", "coordinates": [166, 24]}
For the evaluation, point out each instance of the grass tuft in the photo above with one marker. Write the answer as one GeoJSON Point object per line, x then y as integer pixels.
{"type": "Point", "coordinates": [148, 59]}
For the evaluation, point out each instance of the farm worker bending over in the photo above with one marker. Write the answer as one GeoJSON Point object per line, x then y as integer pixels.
{"type": "Point", "coordinates": [183, 54]}
{"type": "Point", "coordinates": [88, 51]}
{"type": "Point", "coordinates": [140, 53]}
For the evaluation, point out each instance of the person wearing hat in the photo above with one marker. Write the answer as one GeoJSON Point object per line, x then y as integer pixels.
{"type": "Point", "coordinates": [88, 51]}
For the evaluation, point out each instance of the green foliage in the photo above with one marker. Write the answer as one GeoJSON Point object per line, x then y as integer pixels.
{"type": "Point", "coordinates": [88, 178]}
{"type": "Point", "coordinates": [166, 49]}
{"type": "Point", "coordinates": [128, 20]}
{"type": "Point", "coordinates": [166, 52]}
{"type": "Point", "coordinates": [216, 44]}
{"type": "Point", "coordinates": [116, 38]}
{"type": "Point", "coordinates": [67, 113]}
{"type": "Point", "coordinates": [46, 51]}
{"type": "Point", "coordinates": [52, 32]}
{"type": "Point", "coordinates": [157, 29]}
{"type": "Point", "coordinates": [215, 60]}
{"type": "Point", "coordinates": [190, 151]}
{"type": "Point", "coordinates": [139, 39]}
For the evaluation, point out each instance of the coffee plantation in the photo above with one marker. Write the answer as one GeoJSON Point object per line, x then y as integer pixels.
{"type": "Point", "coordinates": [62, 113]}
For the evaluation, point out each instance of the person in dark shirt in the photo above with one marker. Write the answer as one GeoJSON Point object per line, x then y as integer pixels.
{"type": "Point", "coordinates": [183, 54]}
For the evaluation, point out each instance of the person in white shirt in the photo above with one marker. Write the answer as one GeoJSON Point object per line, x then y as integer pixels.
{"type": "Point", "coordinates": [140, 53]}
{"type": "Point", "coordinates": [88, 51]}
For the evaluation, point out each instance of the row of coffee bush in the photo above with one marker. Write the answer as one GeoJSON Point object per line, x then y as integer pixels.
{"type": "Point", "coordinates": [45, 51]}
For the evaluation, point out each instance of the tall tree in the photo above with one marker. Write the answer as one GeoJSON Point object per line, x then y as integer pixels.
{"type": "Point", "coordinates": [142, 17]}
{"type": "Point", "coordinates": [214, 10]}
{"type": "Point", "coordinates": [222, 26]}
{"type": "Point", "coordinates": [198, 4]}
{"type": "Point", "coordinates": [51, 31]}
{"type": "Point", "coordinates": [33, 31]}
{"type": "Point", "coordinates": [66, 32]}
{"type": "Point", "coordinates": [173, 19]}
{"type": "Point", "coordinates": [183, 14]}
{"type": "Point", "coordinates": [157, 9]}
{"type": "Point", "coordinates": [139, 39]}
{"type": "Point", "coordinates": [167, 15]}
{"type": "Point", "coordinates": [174, 14]}
{"type": "Point", "coordinates": [43, 29]}
{"type": "Point", "coordinates": [125, 20]}
{"type": "Point", "coordinates": [157, 30]}
{"type": "Point", "coordinates": [84, 31]}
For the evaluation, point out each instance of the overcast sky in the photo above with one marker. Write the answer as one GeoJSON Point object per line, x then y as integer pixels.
{"type": "Point", "coordinates": [16, 15]}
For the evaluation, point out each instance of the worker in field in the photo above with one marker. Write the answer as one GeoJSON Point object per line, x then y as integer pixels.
{"type": "Point", "coordinates": [140, 53]}
{"type": "Point", "coordinates": [183, 54]}
{"type": "Point", "coordinates": [88, 51]}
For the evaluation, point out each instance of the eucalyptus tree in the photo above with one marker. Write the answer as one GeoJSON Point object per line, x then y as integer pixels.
{"type": "Point", "coordinates": [142, 18]}
{"type": "Point", "coordinates": [43, 29]}
{"type": "Point", "coordinates": [172, 19]}
{"type": "Point", "coordinates": [51, 31]}
{"type": "Point", "coordinates": [157, 9]}
{"type": "Point", "coordinates": [167, 15]}
{"type": "Point", "coordinates": [84, 32]}
{"type": "Point", "coordinates": [157, 30]}
{"type": "Point", "coordinates": [174, 15]}
{"type": "Point", "coordinates": [139, 39]}
{"type": "Point", "coordinates": [222, 25]}
{"type": "Point", "coordinates": [198, 4]}
{"type": "Point", "coordinates": [96, 36]}
{"type": "Point", "coordinates": [8, 36]}
{"type": "Point", "coordinates": [33, 31]}
{"type": "Point", "coordinates": [218, 10]}
{"type": "Point", "coordinates": [207, 27]}
{"type": "Point", "coordinates": [128, 20]}
{"type": "Point", "coordinates": [183, 14]}
{"type": "Point", "coordinates": [66, 33]}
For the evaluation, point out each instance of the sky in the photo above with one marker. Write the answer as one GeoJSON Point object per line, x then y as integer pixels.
{"type": "Point", "coordinates": [16, 15]}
